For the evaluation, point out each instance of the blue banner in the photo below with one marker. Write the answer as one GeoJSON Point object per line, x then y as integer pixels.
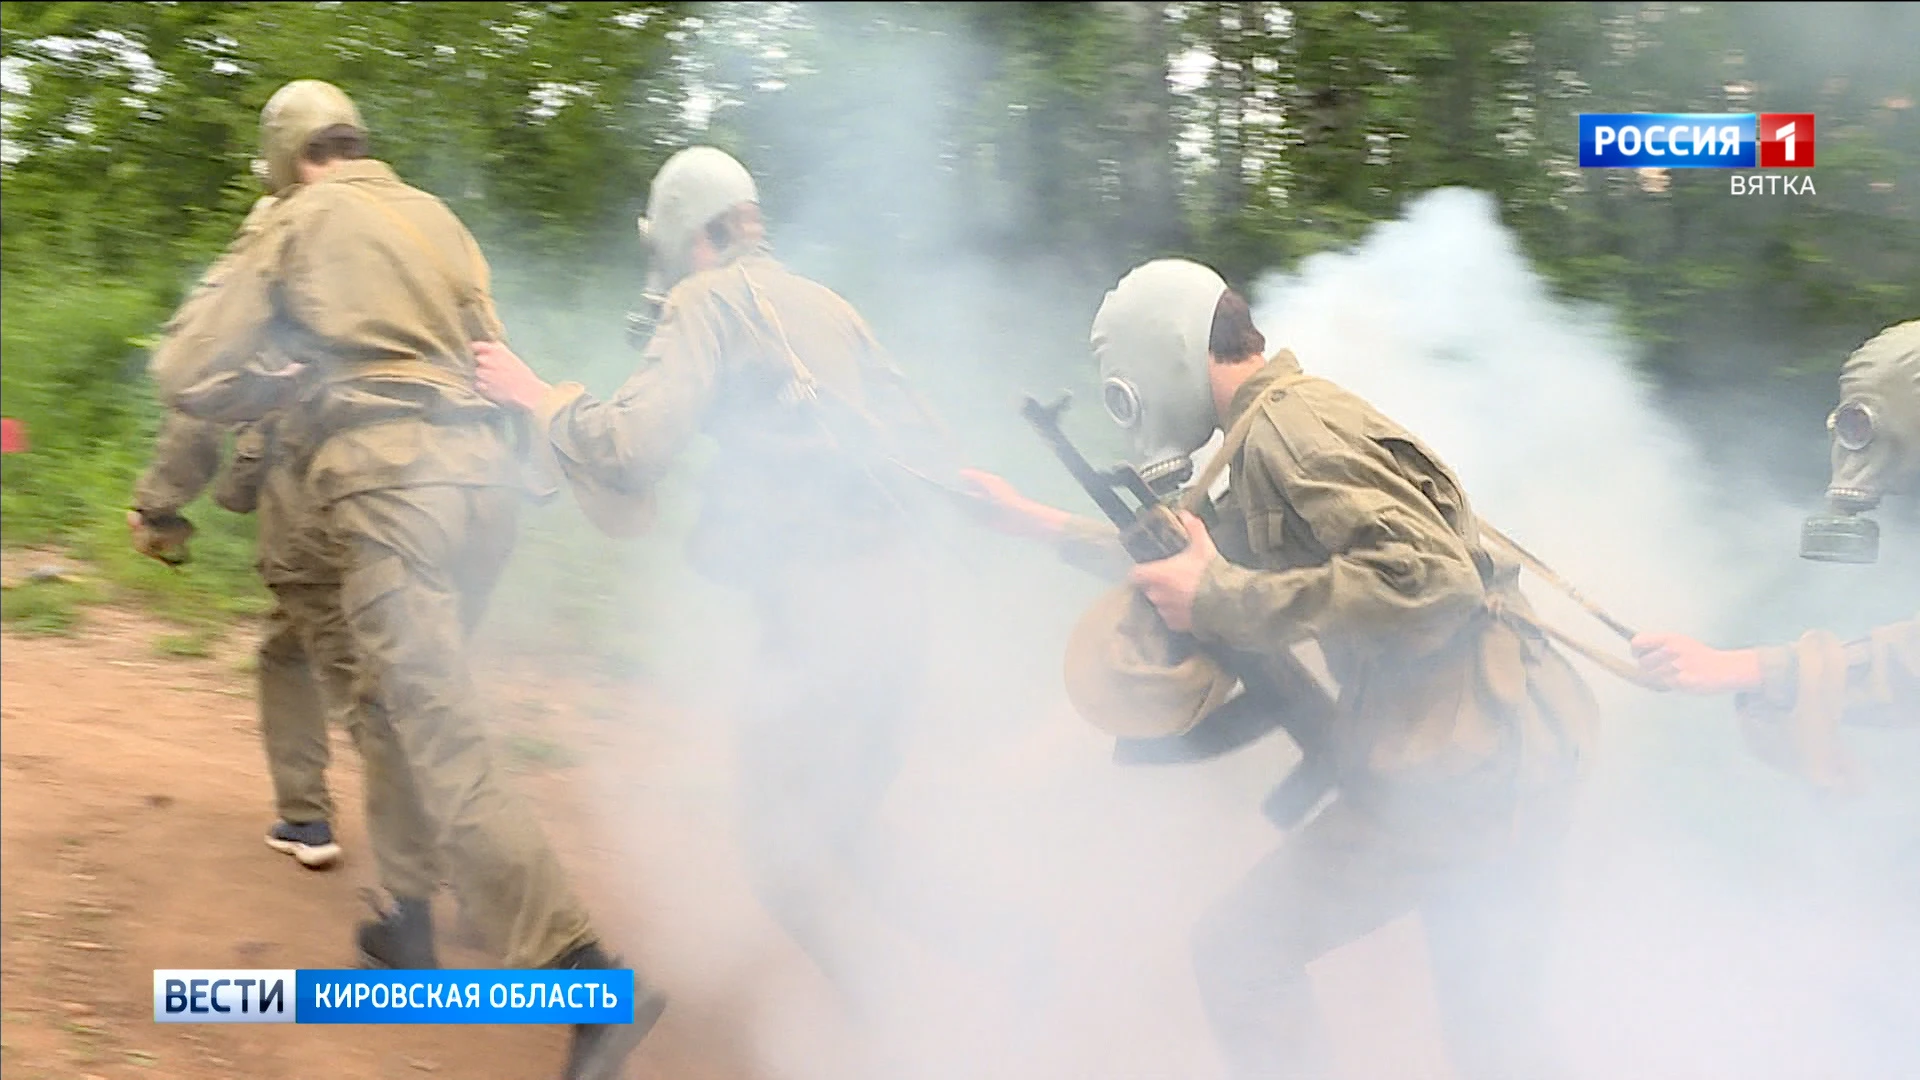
{"type": "Point", "coordinates": [464, 997]}
{"type": "Point", "coordinates": [358, 996]}
{"type": "Point", "coordinates": [1668, 140]}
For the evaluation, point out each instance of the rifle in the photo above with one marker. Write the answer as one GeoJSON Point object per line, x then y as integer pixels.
{"type": "Point", "coordinates": [1150, 532]}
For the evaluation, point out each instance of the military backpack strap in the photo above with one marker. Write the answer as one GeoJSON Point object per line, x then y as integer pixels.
{"type": "Point", "coordinates": [801, 385]}
{"type": "Point", "coordinates": [1196, 492]}
{"type": "Point", "coordinates": [1613, 664]}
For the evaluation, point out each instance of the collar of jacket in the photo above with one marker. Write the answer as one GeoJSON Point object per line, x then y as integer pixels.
{"type": "Point", "coordinates": [1278, 366]}
{"type": "Point", "coordinates": [362, 169]}
{"type": "Point", "coordinates": [758, 249]}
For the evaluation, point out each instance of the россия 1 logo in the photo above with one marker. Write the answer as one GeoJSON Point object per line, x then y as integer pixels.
{"type": "Point", "coordinates": [1696, 140]}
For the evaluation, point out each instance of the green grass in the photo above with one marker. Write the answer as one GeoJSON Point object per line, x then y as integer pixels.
{"type": "Point", "coordinates": [196, 643]}
{"type": "Point", "coordinates": [46, 607]}
{"type": "Point", "coordinates": [75, 375]}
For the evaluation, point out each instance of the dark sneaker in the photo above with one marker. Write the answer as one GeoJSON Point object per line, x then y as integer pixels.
{"type": "Point", "coordinates": [311, 843]}
{"type": "Point", "coordinates": [401, 938]}
{"type": "Point", "coordinates": [600, 1051]}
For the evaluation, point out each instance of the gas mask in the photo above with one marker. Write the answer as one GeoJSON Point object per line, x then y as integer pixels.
{"type": "Point", "coordinates": [694, 187]}
{"type": "Point", "coordinates": [645, 317]}
{"type": "Point", "coordinates": [1875, 434]}
{"type": "Point", "coordinates": [1150, 338]}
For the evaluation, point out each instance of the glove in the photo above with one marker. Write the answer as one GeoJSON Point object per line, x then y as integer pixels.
{"type": "Point", "coordinates": [160, 536]}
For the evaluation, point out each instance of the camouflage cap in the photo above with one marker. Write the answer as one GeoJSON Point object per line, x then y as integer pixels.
{"type": "Point", "coordinates": [296, 113]}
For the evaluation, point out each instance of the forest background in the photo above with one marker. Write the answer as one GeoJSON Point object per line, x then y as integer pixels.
{"type": "Point", "coordinates": [1033, 150]}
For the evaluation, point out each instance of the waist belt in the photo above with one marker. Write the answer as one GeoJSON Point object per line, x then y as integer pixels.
{"type": "Point", "coordinates": [411, 370]}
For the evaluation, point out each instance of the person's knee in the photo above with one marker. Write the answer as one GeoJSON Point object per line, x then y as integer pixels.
{"type": "Point", "coordinates": [280, 648]}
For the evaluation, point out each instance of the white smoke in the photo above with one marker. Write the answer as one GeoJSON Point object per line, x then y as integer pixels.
{"type": "Point", "coordinates": [1037, 899]}
{"type": "Point", "coordinates": [1718, 924]}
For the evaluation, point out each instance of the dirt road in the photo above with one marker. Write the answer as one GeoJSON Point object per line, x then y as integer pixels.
{"type": "Point", "coordinates": [135, 800]}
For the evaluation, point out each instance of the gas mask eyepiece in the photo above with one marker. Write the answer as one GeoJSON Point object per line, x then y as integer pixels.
{"type": "Point", "coordinates": [1843, 534]}
{"type": "Point", "coordinates": [1163, 476]}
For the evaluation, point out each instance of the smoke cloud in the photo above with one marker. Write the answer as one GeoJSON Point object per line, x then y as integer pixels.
{"type": "Point", "coordinates": [1028, 906]}
{"type": "Point", "coordinates": [1718, 923]}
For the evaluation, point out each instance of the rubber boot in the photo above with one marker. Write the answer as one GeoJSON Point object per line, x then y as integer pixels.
{"type": "Point", "coordinates": [401, 938]}
{"type": "Point", "coordinates": [600, 1051]}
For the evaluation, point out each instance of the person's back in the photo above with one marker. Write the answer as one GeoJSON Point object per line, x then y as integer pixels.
{"type": "Point", "coordinates": [796, 512]}
{"type": "Point", "coordinates": [379, 290]}
{"type": "Point", "coordinates": [801, 430]}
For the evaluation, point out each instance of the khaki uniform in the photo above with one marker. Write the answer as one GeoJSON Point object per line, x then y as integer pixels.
{"type": "Point", "coordinates": [415, 488]}
{"type": "Point", "coordinates": [1812, 687]}
{"type": "Point", "coordinates": [1457, 739]}
{"type": "Point", "coordinates": [797, 513]}
{"type": "Point", "coordinates": [1882, 677]}
{"type": "Point", "coordinates": [294, 705]}
{"type": "Point", "coordinates": [186, 456]}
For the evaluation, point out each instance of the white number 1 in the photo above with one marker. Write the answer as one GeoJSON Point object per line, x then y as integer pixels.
{"type": "Point", "coordinates": [1785, 135]}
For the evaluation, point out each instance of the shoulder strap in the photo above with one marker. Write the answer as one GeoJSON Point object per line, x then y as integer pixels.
{"type": "Point", "coordinates": [1197, 492]}
{"type": "Point", "coordinates": [802, 386]}
{"type": "Point", "coordinates": [1236, 437]}
{"type": "Point", "coordinates": [1613, 664]}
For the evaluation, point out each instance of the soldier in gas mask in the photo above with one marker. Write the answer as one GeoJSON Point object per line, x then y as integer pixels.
{"type": "Point", "coordinates": [1792, 698]}
{"type": "Point", "coordinates": [802, 511]}
{"type": "Point", "coordinates": [378, 288]}
{"type": "Point", "coordinates": [1459, 732]}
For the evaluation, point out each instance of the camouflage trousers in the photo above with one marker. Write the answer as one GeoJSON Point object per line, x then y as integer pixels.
{"type": "Point", "coordinates": [294, 710]}
{"type": "Point", "coordinates": [418, 567]}
{"type": "Point", "coordinates": [1485, 909]}
{"type": "Point", "coordinates": [828, 698]}
{"type": "Point", "coordinates": [306, 686]}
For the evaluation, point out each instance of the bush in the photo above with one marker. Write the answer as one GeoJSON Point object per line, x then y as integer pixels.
{"type": "Point", "coordinates": [75, 375]}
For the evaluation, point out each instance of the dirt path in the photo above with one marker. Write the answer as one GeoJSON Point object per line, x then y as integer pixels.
{"type": "Point", "coordinates": [135, 800]}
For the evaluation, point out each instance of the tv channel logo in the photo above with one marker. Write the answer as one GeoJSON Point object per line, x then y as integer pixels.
{"type": "Point", "coordinates": [221, 996]}
{"type": "Point", "coordinates": [1697, 140]}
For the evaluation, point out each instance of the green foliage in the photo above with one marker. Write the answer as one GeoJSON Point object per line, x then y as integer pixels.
{"type": "Point", "coordinates": [1068, 140]}
{"type": "Point", "coordinates": [196, 643]}
{"type": "Point", "coordinates": [45, 607]}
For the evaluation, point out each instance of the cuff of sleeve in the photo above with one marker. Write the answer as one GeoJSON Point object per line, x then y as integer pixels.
{"type": "Point", "coordinates": [1213, 602]}
{"type": "Point", "coordinates": [1778, 677]}
{"type": "Point", "coordinates": [557, 399]}
{"type": "Point", "coordinates": [548, 473]}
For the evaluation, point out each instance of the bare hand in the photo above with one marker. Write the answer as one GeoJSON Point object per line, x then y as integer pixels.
{"type": "Point", "coordinates": [1171, 584]}
{"type": "Point", "coordinates": [1682, 663]}
{"type": "Point", "coordinates": [505, 378]}
{"type": "Point", "coordinates": [1008, 511]}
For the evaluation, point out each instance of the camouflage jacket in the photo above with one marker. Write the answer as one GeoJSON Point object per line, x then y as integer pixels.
{"type": "Point", "coordinates": [380, 289]}
{"type": "Point", "coordinates": [1341, 528]}
{"type": "Point", "coordinates": [798, 396]}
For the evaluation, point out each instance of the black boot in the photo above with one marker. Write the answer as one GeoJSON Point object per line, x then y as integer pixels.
{"type": "Point", "coordinates": [401, 938]}
{"type": "Point", "coordinates": [600, 1051]}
